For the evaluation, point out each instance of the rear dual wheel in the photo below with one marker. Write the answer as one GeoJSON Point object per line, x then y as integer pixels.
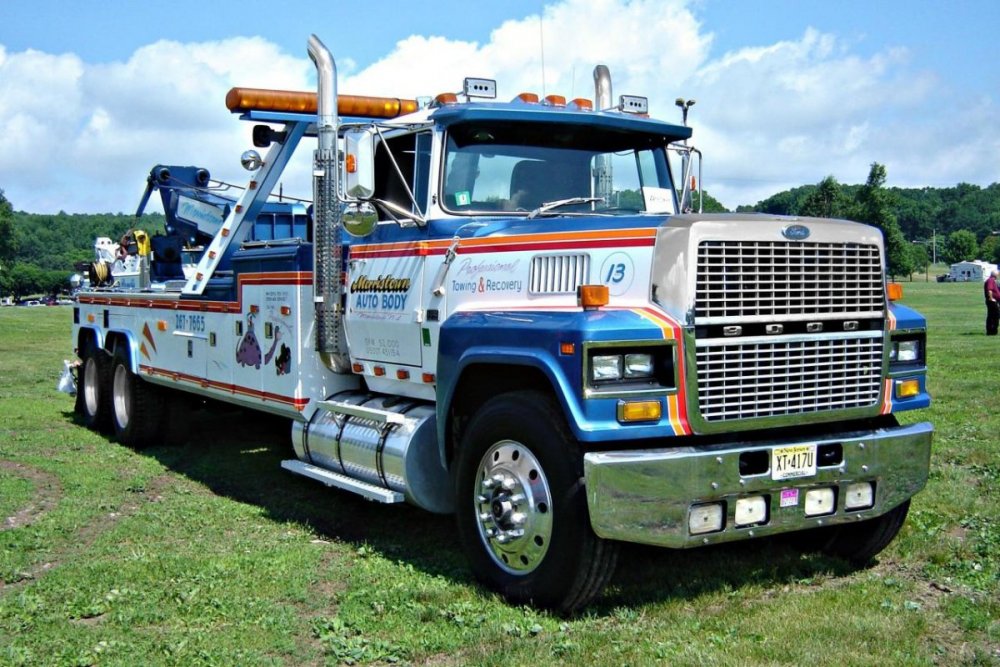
{"type": "Point", "coordinates": [136, 406]}
{"type": "Point", "coordinates": [93, 396]}
{"type": "Point", "coordinates": [522, 507]}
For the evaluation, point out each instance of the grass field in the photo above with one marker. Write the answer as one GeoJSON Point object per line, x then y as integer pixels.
{"type": "Point", "coordinates": [206, 553]}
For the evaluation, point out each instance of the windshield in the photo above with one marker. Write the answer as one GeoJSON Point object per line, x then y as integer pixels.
{"type": "Point", "coordinates": [521, 167]}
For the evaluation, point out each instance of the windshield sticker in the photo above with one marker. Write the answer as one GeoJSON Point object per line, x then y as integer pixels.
{"type": "Point", "coordinates": [463, 198]}
{"type": "Point", "coordinates": [658, 200]}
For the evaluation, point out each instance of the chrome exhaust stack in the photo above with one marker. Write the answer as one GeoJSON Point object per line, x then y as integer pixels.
{"type": "Point", "coordinates": [603, 185]}
{"type": "Point", "coordinates": [327, 215]}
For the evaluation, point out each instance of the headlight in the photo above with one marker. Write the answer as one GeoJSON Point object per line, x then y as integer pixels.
{"type": "Point", "coordinates": [905, 351]}
{"type": "Point", "coordinates": [638, 366]}
{"type": "Point", "coordinates": [606, 367]}
{"type": "Point", "coordinates": [631, 368]}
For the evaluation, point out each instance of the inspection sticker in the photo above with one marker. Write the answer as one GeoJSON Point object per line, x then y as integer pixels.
{"type": "Point", "coordinates": [789, 497]}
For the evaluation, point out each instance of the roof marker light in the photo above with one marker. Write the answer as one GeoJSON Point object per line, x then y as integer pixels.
{"type": "Point", "coordinates": [445, 98]}
{"type": "Point", "coordinates": [526, 98]}
{"type": "Point", "coordinates": [633, 104]}
{"type": "Point", "coordinates": [555, 100]}
{"type": "Point", "coordinates": [486, 88]}
{"type": "Point", "coordinates": [581, 104]}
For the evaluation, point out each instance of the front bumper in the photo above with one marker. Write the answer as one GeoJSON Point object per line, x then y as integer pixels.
{"type": "Point", "coordinates": [646, 496]}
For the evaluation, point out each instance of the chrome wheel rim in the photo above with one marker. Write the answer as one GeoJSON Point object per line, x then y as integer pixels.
{"type": "Point", "coordinates": [122, 396]}
{"type": "Point", "coordinates": [513, 506]}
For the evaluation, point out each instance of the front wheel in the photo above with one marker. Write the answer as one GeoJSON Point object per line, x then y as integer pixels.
{"type": "Point", "coordinates": [136, 410]}
{"type": "Point", "coordinates": [857, 543]}
{"type": "Point", "coordinates": [522, 507]}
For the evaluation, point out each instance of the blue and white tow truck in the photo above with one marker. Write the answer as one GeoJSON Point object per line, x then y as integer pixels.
{"type": "Point", "coordinates": [509, 311]}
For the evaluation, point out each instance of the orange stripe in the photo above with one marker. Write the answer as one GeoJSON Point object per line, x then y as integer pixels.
{"type": "Point", "coordinates": [676, 403]}
{"type": "Point", "coordinates": [427, 246]}
{"type": "Point", "coordinates": [887, 398]}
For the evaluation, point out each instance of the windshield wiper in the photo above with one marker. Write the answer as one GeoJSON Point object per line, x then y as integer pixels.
{"type": "Point", "coordinates": [549, 205]}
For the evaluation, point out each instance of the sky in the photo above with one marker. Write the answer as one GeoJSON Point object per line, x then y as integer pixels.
{"type": "Point", "coordinates": [93, 94]}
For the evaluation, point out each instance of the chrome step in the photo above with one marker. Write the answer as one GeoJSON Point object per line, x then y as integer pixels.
{"type": "Point", "coordinates": [370, 491]}
{"type": "Point", "coordinates": [362, 412]}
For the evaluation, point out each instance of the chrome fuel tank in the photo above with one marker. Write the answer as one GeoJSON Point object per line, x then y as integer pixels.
{"type": "Point", "coordinates": [387, 441]}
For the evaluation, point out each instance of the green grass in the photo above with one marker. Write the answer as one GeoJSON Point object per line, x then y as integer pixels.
{"type": "Point", "coordinates": [207, 553]}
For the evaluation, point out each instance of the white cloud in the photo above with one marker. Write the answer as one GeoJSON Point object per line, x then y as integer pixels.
{"type": "Point", "coordinates": [81, 136]}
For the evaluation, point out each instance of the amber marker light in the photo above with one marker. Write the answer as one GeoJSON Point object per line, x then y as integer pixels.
{"type": "Point", "coordinates": [907, 388]}
{"type": "Point", "coordinates": [286, 310]}
{"type": "Point", "coordinates": [357, 368]}
{"type": "Point", "coordinates": [593, 296]}
{"type": "Point", "coordinates": [445, 98]}
{"type": "Point", "coordinates": [567, 348]}
{"type": "Point", "coordinates": [582, 104]}
{"type": "Point", "coordinates": [91, 318]}
{"type": "Point", "coordinates": [639, 411]}
{"type": "Point", "coordinates": [402, 374]}
{"type": "Point", "coordinates": [555, 100]}
{"type": "Point", "coordinates": [427, 377]}
{"type": "Point", "coordinates": [894, 291]}
{"type": "Point", "coordinates": [527, 98]}
{"type": "Point", "coordinates": [161, 325]}
{"type": "Point", "coordinates": [379, 371]}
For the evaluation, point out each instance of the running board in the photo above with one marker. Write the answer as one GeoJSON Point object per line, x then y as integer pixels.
{"type": "Point", "coordinates": [370, 491]}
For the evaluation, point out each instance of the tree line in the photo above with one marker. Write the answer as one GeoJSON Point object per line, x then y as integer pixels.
{"type": "Point", "coordinates": [39, 252]}
{"type": "Point", "coordinates": [961, 223]}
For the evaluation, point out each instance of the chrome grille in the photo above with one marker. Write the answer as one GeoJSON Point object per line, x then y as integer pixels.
{"type": "Point", "coordinates": [780, 280]}
{"type": "Point", "coordinates": [558, 274]}
{"type": "Point", "coordinates": [765, 377]}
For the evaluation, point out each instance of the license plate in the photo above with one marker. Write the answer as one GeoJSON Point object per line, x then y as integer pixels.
{"type": "Point", "coordinates": [793, 462]}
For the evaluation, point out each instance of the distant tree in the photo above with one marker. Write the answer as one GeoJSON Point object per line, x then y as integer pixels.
{"type": "Point", "coordinates": [710, 203]}
{"type": "Point", "coordinates": [826, 201]}
{"type": "Point", "coordinates": [8, 241]}
{"type": "Point", "coordinates": [989, 249]}
{"type": "Point", "coordinates": [919, 258]}
{"type": "Point", "coordinates": [873, 204]}
{"type": "Point", "coordinates": [961, 246]}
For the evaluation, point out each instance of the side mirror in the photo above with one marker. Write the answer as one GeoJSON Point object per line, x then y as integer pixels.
{"type": "Point", "coordinates": [359, 163]}
{"type": "Point", "coordinates": [359, 218]}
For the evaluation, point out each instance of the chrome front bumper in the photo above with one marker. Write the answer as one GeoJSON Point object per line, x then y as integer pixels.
{"type": "Point", "coordinates": [646, 495]}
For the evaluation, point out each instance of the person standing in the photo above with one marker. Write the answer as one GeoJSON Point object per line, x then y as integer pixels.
{"type": "Point", "coordinates": [991, 291]}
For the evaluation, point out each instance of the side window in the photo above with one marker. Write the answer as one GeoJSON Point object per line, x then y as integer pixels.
{"type": "Point", "coordinates": [412, 155]}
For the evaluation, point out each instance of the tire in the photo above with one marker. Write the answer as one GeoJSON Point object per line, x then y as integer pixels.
{"type": "Point", "coordinates": [93, 396]}
{"type": "Point", "coordinates": [136, 409]}
{"type": "Point", "coordinates": [857, 543]}
{"type": "Point", "coordinates": [522, 508]}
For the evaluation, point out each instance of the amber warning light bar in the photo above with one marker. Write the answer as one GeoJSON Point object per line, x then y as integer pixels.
{"type": "Point", "coordinates": [240, 100]}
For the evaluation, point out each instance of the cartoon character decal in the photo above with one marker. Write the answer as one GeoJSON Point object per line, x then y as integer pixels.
{"type": "Point", "coordinates": [283, 364]}
{"type": "Point", "coordinates": [248, 351]}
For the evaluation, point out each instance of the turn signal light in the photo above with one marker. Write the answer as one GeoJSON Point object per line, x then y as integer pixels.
{"type": "Point", "coordinates": [639, 411]}
{"type": "Point", "coordinates": [593, 296]}
{"type": "Point", "coordinates": [907, 388]}
{"type": "Point", "coordinates": [894, 291]}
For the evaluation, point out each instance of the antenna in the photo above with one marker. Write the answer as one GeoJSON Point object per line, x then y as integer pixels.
{"type": "Point", "coordinates": [541, 42]}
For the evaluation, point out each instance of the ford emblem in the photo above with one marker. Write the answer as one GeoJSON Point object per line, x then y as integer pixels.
{"type": "Point", "coordinates": [795, 232]}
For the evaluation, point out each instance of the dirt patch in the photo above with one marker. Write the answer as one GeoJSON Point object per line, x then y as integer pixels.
{"type": "Point", "coordinates": [48, 491]}
{"type": "Point", "coordinates": [88, 534]}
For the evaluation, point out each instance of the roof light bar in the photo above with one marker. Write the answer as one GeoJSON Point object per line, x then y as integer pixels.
{"type": "Point", "coordinates": [240, 100]}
